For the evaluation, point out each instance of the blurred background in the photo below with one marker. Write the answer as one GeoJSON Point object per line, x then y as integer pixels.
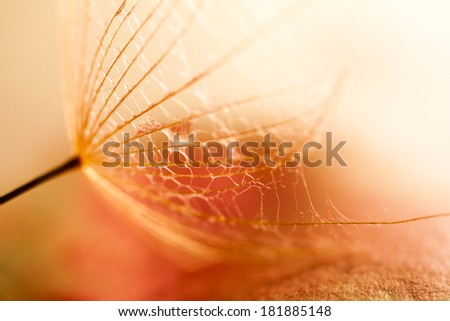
{"type": "Point", "coordinates": [63, 241]}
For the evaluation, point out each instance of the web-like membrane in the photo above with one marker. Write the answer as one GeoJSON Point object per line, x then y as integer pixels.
{"type": "Point", "coordinates": [150, 71]}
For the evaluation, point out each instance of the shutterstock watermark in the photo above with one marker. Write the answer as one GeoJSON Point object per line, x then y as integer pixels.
{"type": "Point", "coordinates": [190, 152]}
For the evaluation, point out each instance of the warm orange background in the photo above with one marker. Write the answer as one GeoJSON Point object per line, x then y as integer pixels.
{"type": "Point", "coordinates": [61, 241]}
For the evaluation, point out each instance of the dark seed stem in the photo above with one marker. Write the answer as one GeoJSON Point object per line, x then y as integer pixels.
{"type": "Point", "coordinates": [70, 164]}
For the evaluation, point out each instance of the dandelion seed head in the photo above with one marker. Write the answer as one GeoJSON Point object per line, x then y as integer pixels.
{"type": "Point", "coordinates": [153, 69]}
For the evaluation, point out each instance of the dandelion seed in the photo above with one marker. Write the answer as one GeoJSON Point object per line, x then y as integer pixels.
{"type": "Point", "coordinates": [128, 60]}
